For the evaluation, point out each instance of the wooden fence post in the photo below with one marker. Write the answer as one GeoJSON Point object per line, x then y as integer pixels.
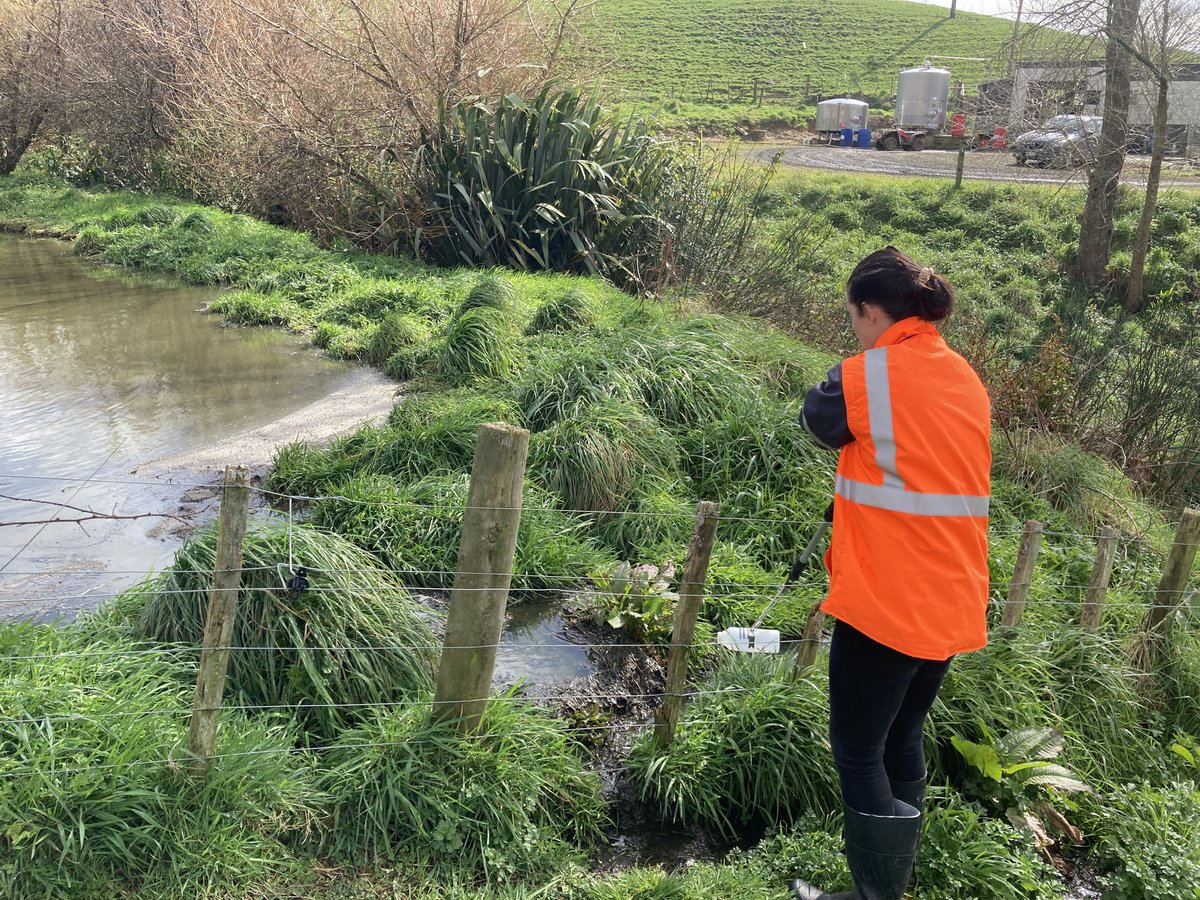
{"type": "Point", "coordinates": [958, 169]}
{"type": "Point", "coordinates": [810, 641]}
{"type": "Point", "coordinates": [1097, 589]}
{"type": "Point", "coordinates": [222, 613]}
{"type": "Point", "coordinates": [486, 552]}
{"type": "Point", "coordinates": [691, 595]}
{"type": "Point", "coordinates": [1176, 574]}
{"type": "Point", "coordinates": [1018, 588]}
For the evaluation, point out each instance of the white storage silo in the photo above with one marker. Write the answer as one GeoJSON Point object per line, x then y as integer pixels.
{"type": "Point", "coordinates": [921, 97]}
{"type": "Point", "coordinates": [839, 113]}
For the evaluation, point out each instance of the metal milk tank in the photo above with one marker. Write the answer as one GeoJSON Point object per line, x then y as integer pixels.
{"type": "Point", "coordinates": [921, 97]}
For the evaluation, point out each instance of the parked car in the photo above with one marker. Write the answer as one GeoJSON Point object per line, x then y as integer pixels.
{"type": "Point", "coordinates": [1061, 141]}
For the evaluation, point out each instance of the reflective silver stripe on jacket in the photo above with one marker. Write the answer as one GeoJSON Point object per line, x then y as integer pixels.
{"type": "Point", "coordinates": [881, 496]}
{"type": "Point", "coordinates": [892, 494]}
{"type": "Point", "coordinates": [879, 415]}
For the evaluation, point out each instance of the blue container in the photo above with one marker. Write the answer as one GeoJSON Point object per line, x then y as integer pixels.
{"type": "Point", "coordinates": [864, 137]}
{"type": "Point", "coordinates": [847, 137]}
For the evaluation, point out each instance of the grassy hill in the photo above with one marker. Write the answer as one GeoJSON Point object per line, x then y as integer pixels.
{"type": "Point", "coordinates": [699, 60]}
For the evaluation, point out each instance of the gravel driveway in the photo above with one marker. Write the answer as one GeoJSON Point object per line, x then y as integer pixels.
{"type": "Point", "coordinates": [979, 166]}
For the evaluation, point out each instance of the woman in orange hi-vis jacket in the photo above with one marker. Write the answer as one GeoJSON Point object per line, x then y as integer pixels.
{"type": "Point", "coordinates": [908, 577]}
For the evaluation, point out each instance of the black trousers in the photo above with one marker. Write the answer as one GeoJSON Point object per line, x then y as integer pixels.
{"type": "Point", "coordinates": [878, 701]}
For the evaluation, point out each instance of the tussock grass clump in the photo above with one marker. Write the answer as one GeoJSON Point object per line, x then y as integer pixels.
{"type": "Point", "coordinates": [411, 362]}
{"type": "Point", "coordinates": [91, 241]}
{"type": "Point", "coordinates": [398, 331]}
{"type": "Point", "coordinates": [571, 311]}
{"type": "Point", "coordinates": [426, 434]}
{"type": "Point", "coordinates": [1180, 679]}
{"type": "Point", "coordinates": [649, 527]}
{"type": "Point", "coordinates": [772, 480]}
{"type": "Point", "coordinates": [491, 291]}
{"type": "Point", "coordinates": [415, 528]}
{"type": "Point", "coordinates": [155, 215]}
{"type": "Point", "coordinates": [511, 799]}
{"type": "Point", "coordinates": [568, 377]}
{"type": "Point", "coordinates": [354, 636]}
{"type": "Point", "coordinates": [601, 458]}
{"type": "Point", "coordinates": [95, 797]}
{"type": "Point", "coordinates": [739, 588]}
{"type": "Point", "coordinates": [686, 377]}
{"type": "Point", "coordinates": [1002, 687]}
{"type": "Point", "coordinates": [752, 744]}
{"type": "Point", "coordinates": [479, 344]}
{"type": "Point", "coordinates": [1090, 491]}
{"type": "Point", "coordinates": [196, 221]}
{"type": "Point", "coordinates": [345, 341]}
{"type": "Point", "coordinates": [254, 308]}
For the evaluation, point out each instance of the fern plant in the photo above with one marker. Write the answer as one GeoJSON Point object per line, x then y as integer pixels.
{"type": "Point", "coordinates": [1020, 760]}
{"type": "Point", "coordinates": [1017, 775]}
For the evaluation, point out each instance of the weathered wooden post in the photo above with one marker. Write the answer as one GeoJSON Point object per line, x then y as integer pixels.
{"type": "Point", "coordinates": [1097, 589]}
{"type": "Point", "coordinates": [962, 161]}
{"type": "Point", "coordinates": [810, 640]}
{"type": "Point", "coordinates": [1022, 579]}
{"type": "Point", "coordinates": [691, 595]}
{"type": "Point", "coordinates": [486, 552]}
{"type": "Point", "coordinates": [222, 614]}
{"type": "Point", "coordinates": [1173, 583]}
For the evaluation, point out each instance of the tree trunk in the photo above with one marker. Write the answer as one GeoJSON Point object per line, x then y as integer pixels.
{"type": "Point", "coordinates": [1135, 300]}
{"type": "Point", "coordinates": [1096, 227]}
{"type": "Point", "coordinates": [13, 147]}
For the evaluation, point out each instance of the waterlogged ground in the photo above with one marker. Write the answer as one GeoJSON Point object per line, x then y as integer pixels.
{"type": "Point", "coordinates": [102, 371]}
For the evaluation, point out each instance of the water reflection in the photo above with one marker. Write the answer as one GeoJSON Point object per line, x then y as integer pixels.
{"type": "Point", "coordinates": [102, 370]}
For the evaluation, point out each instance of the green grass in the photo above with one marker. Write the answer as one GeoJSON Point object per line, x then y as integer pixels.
{"type": "Point", "coordinates": [95, 797]}
{"type": "Point", "coordinates": [414, 527]}
{"type": "Point", "coordinates": [751, 745]}
{"type": "Point", "coordinates": [637, 412]}
{"type": "Point", "coordinates": [512, 799]}
{"type": "Point", "coordinates": [351, 640]}
{"type": "Point", "coordinates": [696, 62]}
{"type": "Point", "coordinates": [282, 278]}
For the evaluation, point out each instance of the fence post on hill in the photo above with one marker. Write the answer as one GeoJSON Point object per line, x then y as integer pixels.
{"type": "Point", "coordinates": [962, 162]}
{"type": "Point", "coordinates": [1176, 574]}
{"type": "Point", "coordinates": [222, 613]}
{"type": "Point", "coordinates": [1097, 589]}
{"type": "Point", "coordinates": [486, 552]}
{"type": "Point", "coordinates": [691, 595]}
{"type": "Point", "coordinates": [1022, 578]}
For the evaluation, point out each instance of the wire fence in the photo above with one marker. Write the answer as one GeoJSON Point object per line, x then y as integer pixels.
{"type": "Point", "coordinates": [1066, 596]}
{"type": "Point", "coordinates": [301, 501]}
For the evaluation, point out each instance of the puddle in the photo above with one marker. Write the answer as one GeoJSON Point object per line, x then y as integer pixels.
{"type": "Point", "coordinates": [535, 647]}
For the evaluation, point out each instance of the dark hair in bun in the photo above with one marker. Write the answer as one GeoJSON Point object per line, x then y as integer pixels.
{"type": "Point", "coordinates": [902, 287]}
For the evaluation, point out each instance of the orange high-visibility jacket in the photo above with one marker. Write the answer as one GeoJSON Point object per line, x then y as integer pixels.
{"type": "Point", "coordinates": [908, 562]}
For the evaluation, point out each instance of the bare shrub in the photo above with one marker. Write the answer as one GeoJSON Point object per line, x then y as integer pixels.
{"type": "Point", "coordinates": [310, 113]}
{"type": "Point", "coordinates": [31, 72]}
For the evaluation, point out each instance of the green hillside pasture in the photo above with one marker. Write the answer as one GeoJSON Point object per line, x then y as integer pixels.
{"type": "Point", "coordinates": [697, 61]}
